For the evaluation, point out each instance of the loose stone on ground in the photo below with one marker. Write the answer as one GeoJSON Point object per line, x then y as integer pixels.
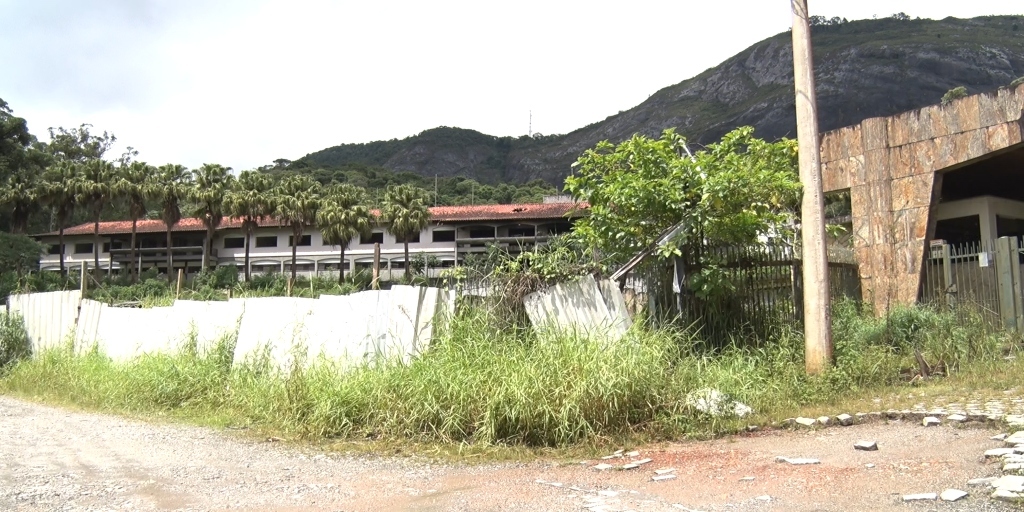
{"type": "Point", "coordinates": [867, 446]}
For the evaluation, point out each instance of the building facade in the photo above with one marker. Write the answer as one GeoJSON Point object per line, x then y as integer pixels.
{"type": "Point", "coordinates": [454, 233]}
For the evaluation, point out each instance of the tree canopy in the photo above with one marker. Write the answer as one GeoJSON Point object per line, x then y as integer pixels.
{"type": "Point", "coordinates": [730, 192]}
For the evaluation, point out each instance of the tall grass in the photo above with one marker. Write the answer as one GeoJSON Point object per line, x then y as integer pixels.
{"type": "Point", "coordinates": [481, 384]}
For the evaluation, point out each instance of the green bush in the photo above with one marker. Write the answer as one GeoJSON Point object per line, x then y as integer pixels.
{"type": "Point", "coordinates": [14, 342]}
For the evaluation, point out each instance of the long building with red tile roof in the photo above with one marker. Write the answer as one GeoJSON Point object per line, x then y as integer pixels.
{"type": "Point", "coordinates": [453, 233]}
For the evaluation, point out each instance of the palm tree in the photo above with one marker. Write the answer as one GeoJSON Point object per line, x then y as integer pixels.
{"type": "Point", "coordinates": [250, 200]}
{"type": "Point", "coordinates": [136, 186]}
{"type": "Point", "coordinates": [58, 192]}
{"type": "Point", "coordinates": [20, 194]}
{"type": "Point", "coordinates": [172, 185]}
{"type": "Point", "coordinates": [297, 198]}
{"type": "Point", "coordinates": [342, 217]}
{"type": "Point", "coordinates": [405, 214]}
{"type": "Point", "coordinates": [211, 183]}
{"type": "Point", "coordinates": [94, 188]}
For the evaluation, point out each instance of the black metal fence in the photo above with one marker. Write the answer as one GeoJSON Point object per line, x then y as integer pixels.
{"type": "Point", "coordinates": [736, 293]}
{"type": "Point", "coordinates": [965, 278]}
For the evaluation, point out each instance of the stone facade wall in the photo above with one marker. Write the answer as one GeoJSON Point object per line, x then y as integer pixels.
{"type": "Point", "coordinates": [892, 168]}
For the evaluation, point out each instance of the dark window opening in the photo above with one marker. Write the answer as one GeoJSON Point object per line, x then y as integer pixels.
{"type": "Point", "coordinates": [959, 230]}
{"type": "Point", "coordinates": [83, 248]}
{"type": "Point", "coordinates": [374, 238]}
{"type": "Point", "coordinates": [559, 228]}
{"type": "Point", "coordinates": [305, 241]}
{"type": "Point", "coordinates": [522, 231]}
{"type": "Point", "coordinates": [56, 249]}
{"type": "Point", "coordinates": [299, 267]}
{"type": "Point", "coordinates": [481, 232]}
{"type": "Point", "coordinates": [234, 242]}
{"type": "Point", "coordinates": [447, 235]}
{"type": "Point", "coordinates": [446, 263]}
{"type": "Point", "coordinates": [396, 264]}
{"type": "Point", "coordinates": [1006, 226]}
{"type": "Point", "coordinates": [266, 241]}
{"type": "Point", "coordinates": [106, 247]}
{"type": "Point", "coordinates": [414, 239]}
{"type": "Point", "coordinates": [369, 264]}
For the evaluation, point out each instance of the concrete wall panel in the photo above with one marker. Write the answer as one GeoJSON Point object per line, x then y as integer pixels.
{"type": "Point", "coordinates": [50, 317]}
{"type": "Point", "coordinates": [578, 307]}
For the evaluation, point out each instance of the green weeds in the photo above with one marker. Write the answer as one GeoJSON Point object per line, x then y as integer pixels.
{"type": "Point", "coordinates": [479, 385]}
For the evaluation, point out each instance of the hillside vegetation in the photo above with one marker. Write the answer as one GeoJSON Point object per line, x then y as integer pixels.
{"type": "Point", "coordinates": [864, 69]}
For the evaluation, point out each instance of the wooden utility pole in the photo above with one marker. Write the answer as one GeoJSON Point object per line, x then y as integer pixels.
{"type": "Point", "coordinates": [376, 267]}
{"type": "Point", "coordinates": [817, 306]}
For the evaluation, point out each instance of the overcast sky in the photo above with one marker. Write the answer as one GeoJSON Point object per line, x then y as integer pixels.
{"type": "Point", "coordinates": [242, 82]}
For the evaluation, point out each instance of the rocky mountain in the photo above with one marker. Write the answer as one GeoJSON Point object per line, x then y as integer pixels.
{"type": "Point", "coordinates": [863, 68]}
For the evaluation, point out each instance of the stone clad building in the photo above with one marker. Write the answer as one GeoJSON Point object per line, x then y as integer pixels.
{"type": "Point", "coordinates": [953, 172]}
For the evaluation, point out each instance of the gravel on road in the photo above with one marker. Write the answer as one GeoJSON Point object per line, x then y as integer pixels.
{"type": "Point", "coordinates": [57, 459]}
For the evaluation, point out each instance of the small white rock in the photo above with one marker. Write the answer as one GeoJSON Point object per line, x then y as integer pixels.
{"type": "Point", "coordinates": [764, 497]}
{"type": "Point", "coordinates": [797, 461]}
{"type": "Point", "coordinates": [824, 420]}
{"type": "Point", "coordinates": [747, 479]}
{"type": "Point", "coordinates": [952, 495]}
{"type": "Point", "coordinates": [925, 496]}
{"type": "Point", "coordinates": [632, 454]}
{"type": "Point", "coordinates": [602, 467]}
{"type": "Point", "coordinates": [931, 421]}
{"type": "Point", "coordinates": [807, 422]}
{"type": "Point", "coordinates": [1012, 497]}
{"type": "Point", "coordinates": [869, 465]}
{"type": "Point", "coordinates": [957, 418]}
{"type": "Point", "coordinates": [845, 420]}
{"type": "Point", "coordinates": [664, 471]}
{"type": "Point", "coordinates": [998, 437]}
{"type": "Point", "coordinates": [867, 446]}
{"type": "Point", "coordinates": [974, 482]}
{"type": "Point", "coordinates": [998, 452]}
{"type": "Point", "coordinates": [659, 478]}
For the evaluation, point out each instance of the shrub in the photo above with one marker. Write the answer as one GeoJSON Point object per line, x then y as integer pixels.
{"type": "Point", "coordinates": [14, 342]}
{"type": "Point", "coordinates": [954, 94]}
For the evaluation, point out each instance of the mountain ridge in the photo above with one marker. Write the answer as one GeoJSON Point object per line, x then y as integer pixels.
{"type": "Point", "coordinates": [863, 68]}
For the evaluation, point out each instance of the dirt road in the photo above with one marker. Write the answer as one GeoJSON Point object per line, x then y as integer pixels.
{"type": "Point", "coordinates": [54, 459]}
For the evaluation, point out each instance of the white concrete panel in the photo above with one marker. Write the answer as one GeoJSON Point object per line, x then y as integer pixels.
{"type": "Point", "coordinates": [88, 325]}
{"type": "Point", "coordinates": [275, 326]}
{"type": "Point", "coordinates": [126, 333]}
{"type": "Point", "coordinates": [50, 317]}
{"type": "Point", "coordinates": [210, 321]}
{"type": "Point", "coordinates": [578, 307]}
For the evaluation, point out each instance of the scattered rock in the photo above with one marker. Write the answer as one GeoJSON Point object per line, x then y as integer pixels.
{"type": "Point", "coordinates": [824, 420]}
{"type": "Point", "coordinates": [753, 428]}
{"type": "Point", "coordinates": [931, 421]}
{"type": "Point", "coordinates": [807, 422]}
{"type": "Point", "coordinates": [998, 452]}
{"type": "Point", "coordinates": [925, 496]}
{"type": "Point", "coordinates": [1012, 483]}
{"type": "Point", "coordinates": [633, 454]}
{"type": "Point", "coordinates": [763, 497]}
{"type": "Point", "coordinates": [957, 418]}
{"type": "Point", "coordinates": [618, 452]}
{"type": "Point", "coordinates": [659, 478]}
{"type": "Point", "coordinates": [867, 446]}
{"type": "Point", "coordinates": [1014, 468]}
{"type": "Point", "coordinates": [1015, 438]}
{"type": "Point", "coordinates": [602, 467]}
{"type": "Point", "coordinates": [952, 495]}
{"type": "Point", "coordinates": [716, 403]}
{"type": "Point", "coordinates": [845, 420]}
{"type": "Point", "coordinates": [869, 465]}
{"type": "Point", "coordinates": [607, 493]}
{"type": "Point", "coordinates": [1012, 497]}
{"type": "Point", "coordinates": [797, 461]}
{"type": "Point", "coordinates": [975, 482]}
{"type": "Point", "coordinates": [664, 471]}
{"type": "Point", "coordinates": [636, 464]}
{"type": "Point", "coordinates": [998, 437]}
{"type": "Point", "coordinates": [747, 479]}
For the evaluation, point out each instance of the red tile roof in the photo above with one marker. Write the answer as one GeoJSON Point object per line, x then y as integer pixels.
{"type": "Point", "coordinates": [485, 212]}
{"type": "Point", "coordinates": [490, 212]}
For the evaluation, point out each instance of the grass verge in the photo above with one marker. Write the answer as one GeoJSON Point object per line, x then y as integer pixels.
{"type": "Point", "coordinates": [482, 391]}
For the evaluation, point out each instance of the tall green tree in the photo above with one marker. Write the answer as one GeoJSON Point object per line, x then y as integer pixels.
{"type": "Point", "coordinates": [78, 144]}
{"type": "Point", "coordinates": [96, 187]}
{"type": "Point", "coordinates": [297, 198]}
{"type": "Point", "coordinates": [731, 192]}
{"type": "Point", "coordinates": [137, 187]}
{"type": "Point", "coordinates": [406, 214]}
{"type": "Point", "coordinates": [58, 193]}
{"type": "Point", "coordinates": [173, 186]}
{"type": "Point", "coordinates": [342, 217]}
{"type": "Point", "coordinates": [20, 193]}
{"type": "Point", "coordinates": [211, 183]}
{"type": "Point", "coordinates": [250, 199]}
